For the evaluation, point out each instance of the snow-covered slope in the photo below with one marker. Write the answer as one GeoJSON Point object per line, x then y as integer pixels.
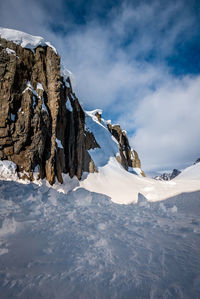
{"type": "Point", "coordinates": [108, 144]}
{"type": "Point", "coordinates": [23, 39]}
{"type": "Point", "coordinates": [112, 179]}
{"type": "Point", "coordinates": [190, 173]}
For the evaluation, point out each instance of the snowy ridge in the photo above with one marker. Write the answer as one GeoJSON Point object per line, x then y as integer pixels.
{"type": "Point", "coordinates": [190, 173]}
{"type": "Point", "coordinates": [23, 39]}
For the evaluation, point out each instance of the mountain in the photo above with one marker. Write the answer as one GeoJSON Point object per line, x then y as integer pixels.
{"type": "Point", "coordinates": [78, 219]}
{"type": "Point", "coordinates": [46, 133]}
{"type": "Point", "coordinates": [42, 124]}
{"type": "Point", "coordinates": [168, 176]}
{"type": "Point", "coordinates": [190, 173]}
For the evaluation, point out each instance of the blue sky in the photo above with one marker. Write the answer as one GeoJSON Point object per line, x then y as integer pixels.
{"type": "Point", "coordinates": [137, 60]}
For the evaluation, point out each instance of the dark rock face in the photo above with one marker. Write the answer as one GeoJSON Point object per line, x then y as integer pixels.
{"type": "Point", "coordinates": [98, 115]}
{"type": "Point", "coordinates": [128, 157]}
{"type": "Point", "coordinates": [174, 173]}
{"type": "Point", "coordinates": [36, 127]}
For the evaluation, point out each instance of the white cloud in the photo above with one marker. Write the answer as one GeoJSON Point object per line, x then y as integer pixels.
{"type": "Point", "coordinates": [167, 121]}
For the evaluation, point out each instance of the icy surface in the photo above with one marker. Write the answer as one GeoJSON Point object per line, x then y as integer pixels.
{"type": "Point", "coordinates": [24, 39]}
{"type": "Point", "coordinates": [82, 245]}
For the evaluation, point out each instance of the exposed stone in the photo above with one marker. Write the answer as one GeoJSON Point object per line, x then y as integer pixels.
{"type": "Point", "coordinates": [90, 141]}
{"type": "Point", "coordinates": [33, 114]}
{"type": "Point", "coordinates": [174, 173]}
{"type": "Point", "coordinates": [128, 157]}
{"type": "Point", "coordinates": [98, 115]}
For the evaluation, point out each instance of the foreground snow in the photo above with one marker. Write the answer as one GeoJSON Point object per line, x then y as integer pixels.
{"type": "Point", "coordinates": [66, 241]}
{"type": "Point", "coordinates": [82, 245]}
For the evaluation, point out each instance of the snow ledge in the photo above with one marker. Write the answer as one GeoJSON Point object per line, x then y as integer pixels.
{"type": "Point", "coordinates": [23, 39]}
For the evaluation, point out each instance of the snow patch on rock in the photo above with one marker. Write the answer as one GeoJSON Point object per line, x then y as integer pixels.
{"type": "Point", "coordinates": [65, 73]}
{"type": "Point", "coordinates": [39, 86]}
{"type": "Point", "coordinates": [10, 51]}
{"type": "Point", "coordinates": [59, 144]}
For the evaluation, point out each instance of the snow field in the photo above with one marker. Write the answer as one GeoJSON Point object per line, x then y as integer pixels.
{"type": "Point", "coordinates": [82, 245]}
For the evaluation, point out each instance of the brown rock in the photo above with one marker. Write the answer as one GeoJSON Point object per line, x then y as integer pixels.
{"type": "Point", "coordinates": [98, 115]}
{"type": "Point", "coordinates": [31, 118]}
{"type": "Point", "coordinates": [128, 157]}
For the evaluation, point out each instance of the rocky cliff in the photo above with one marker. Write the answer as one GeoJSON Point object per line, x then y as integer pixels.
{"type": "Point", "coordinates": [128, 157]}
{"type": "Point", "coordinates": [42, 123]}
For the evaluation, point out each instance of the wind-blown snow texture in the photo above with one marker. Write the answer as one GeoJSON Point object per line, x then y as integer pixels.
{"type": "Point", "coordinates": [82, 245]}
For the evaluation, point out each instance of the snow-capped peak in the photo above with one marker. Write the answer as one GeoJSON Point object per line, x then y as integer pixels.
{"type": "Point", "coordinates": [23, 39]}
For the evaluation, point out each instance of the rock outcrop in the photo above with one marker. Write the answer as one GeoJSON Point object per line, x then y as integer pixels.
{"type": "Point", "coordinates": [174, 173]}
{"type": "Point", "coordinates": [41, 121]}
{"type": "Point", "coordinates": [128, 157]}
{"type": "Point", "coordinates": [42, 124]}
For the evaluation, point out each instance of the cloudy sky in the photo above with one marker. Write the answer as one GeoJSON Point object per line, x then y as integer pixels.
{"type": "Point", "coordinates": [137, 60]}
